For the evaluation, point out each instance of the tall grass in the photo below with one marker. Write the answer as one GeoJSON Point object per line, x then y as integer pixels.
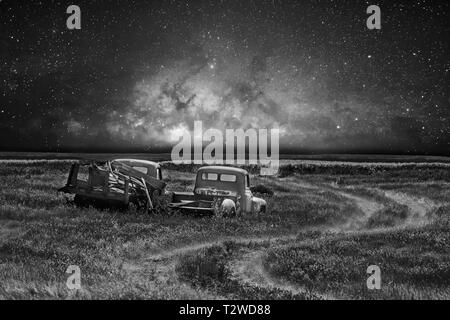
{"type": "Point", "coordinates": [42, 233]}
{"type": "Point", "coordinates": [414, 263]}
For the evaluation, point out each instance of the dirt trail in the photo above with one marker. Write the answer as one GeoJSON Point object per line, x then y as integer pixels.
{"type": "Point", "coordinates": [199, 246]}
{"type": "Point", "coordinates": [249, 269]}
{"type": "Point", "coordinates": [163, 265]}
{"type": "Point", "coordinates": [250, 266]}
{"type": "Point", "coordinates": [367, 206]}
{"type": "Point", "coordinates": [419, 208]}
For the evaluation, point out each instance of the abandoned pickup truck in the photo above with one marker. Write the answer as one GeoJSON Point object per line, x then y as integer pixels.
{"type": "Point", "coordinates": [115, 183]}
{"type": "Point", "coordinates": [223, 191]}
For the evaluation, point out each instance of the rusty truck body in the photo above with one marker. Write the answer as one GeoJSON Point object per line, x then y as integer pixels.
{"type": "Point", "coordinates": [115, 183]}
{"type": "Point", "coordinates": [220, 190]}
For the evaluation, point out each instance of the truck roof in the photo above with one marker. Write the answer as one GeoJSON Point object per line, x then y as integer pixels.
{"type": "Point", "coordinates": [223, 169]}
{"type": "Point", "coordinates": [141, 162]}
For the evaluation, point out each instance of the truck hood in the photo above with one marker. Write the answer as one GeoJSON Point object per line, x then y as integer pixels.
{"type": "Point", "coordinates": [215, 192]}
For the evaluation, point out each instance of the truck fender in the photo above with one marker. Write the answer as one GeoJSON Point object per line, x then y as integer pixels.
{"type": "Point", "coordinates": [258, 205]}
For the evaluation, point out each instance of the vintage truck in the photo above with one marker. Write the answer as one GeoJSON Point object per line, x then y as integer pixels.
{"type": "Point", "coordinates": [115, 183]}
{"type": "Point", "coordinates": [223, 191]}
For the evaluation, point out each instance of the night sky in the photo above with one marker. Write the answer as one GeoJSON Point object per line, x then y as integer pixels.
{"type": "Point", "coordinates": [139, 73]}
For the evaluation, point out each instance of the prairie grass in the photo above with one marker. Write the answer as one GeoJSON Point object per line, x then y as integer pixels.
{"type": "Point", "coordinates": [42, 233]}
{"type": "Point", "coordinates": [414, 262]}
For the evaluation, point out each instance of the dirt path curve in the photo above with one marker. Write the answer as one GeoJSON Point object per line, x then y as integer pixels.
{"type": "Point", "coordinates": [367, 206]}
{"type": "Point", "coordinates": [164, 263]}
{"type": "Point", "coordinates": [163, 266]}
{"type": "Point", "coordinates": [204, 245]}
{"type": "Point", "coordinates": [419, 208]}
{"type": "Point", "coordinates": [249, 269]}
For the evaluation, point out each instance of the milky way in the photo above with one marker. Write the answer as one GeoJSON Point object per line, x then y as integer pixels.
{"type": "Point", "coordinates": [139, 73]}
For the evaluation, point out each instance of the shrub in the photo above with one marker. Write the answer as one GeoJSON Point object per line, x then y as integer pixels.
{"type": "Point", "coordinates": [262, 189]}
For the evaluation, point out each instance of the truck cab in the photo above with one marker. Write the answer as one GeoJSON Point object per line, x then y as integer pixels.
{"type": "Point", "coordinates": [148, 168]}
{"type": "Point", "coordinates": [115, 183]}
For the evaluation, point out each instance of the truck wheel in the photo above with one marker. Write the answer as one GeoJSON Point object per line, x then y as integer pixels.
{"type": "Point", "coordinates": [228, 208]}
{"type": "Point", "coordinates": [232, 213]}
{"type": "Point", "coordinates": [80, 201]}
{"type": "Point", "coordinates": [263, 209]}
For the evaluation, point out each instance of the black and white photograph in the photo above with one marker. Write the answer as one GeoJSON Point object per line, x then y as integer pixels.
{"type": "Point", "coordinates": [247, 152]}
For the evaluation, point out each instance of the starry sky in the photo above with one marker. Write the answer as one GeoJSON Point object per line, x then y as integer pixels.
{"type": "Point", "coordinates": [139, 73]}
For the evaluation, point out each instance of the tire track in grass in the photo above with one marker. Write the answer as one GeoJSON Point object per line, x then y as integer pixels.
{"type": "Point", "coordinates": [165, 262]}
{"type": "Point", "coordinates": [205, 245]}
{"type": "Point", "coordinates": [251, 267]}
{"type": "Point", "coordinates": [419, 208]}
{"type": "Point", "coordinates": [163, 265]}
{"type": "Point", "coordinates": [248, 268]}
{"type": "Point", "coordinates": [367, 206]}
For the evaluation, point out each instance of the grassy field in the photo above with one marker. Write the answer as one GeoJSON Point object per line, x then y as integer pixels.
{"type": "Point", "coordinates": [327, 222]}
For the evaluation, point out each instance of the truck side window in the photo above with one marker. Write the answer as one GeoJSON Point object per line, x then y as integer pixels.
{"type": "Point", "coordinates": [247, 181]}
{"type": "Point", "coordinates": [144, 170]}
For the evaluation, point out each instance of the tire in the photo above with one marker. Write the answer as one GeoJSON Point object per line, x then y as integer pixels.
{"type": "Point", "coordinates": [263, 209]}
{"type": "Point", "coordinates": [231, 214]}
{"type": "Point", "coordinates": [79, 201]}
{"type": "Point", "coordinates": [228, 208]}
